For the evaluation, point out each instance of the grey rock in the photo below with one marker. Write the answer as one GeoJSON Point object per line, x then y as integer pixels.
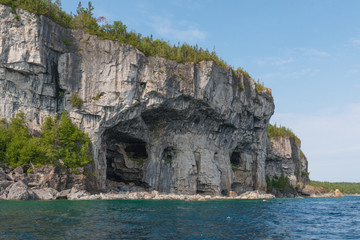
{"type": "Point", "coordinates": [76, 194]}
{"type": "Point", "coordinates": [63, 194]}
{"type": "Point", "coordinates": [45, 193]}
{"type": "Point", "coordinates": [159, 124]}
{"type": "Point", "coordinates": [123, 188]}
{"type": "Point", "coordinates": [58, 178]}
{"type": "Point", "coordinates": [312, 191]}
{"type": "Point", "coordinates": [16, 175]}
{"type": "Point", "coordinates": [4, 184]}
{"type": "Point", "coordinates": [3, 175]}
{"type": "Point", "coordinates": [18, 171]}
{"type": "Point", "coordinates": [20, 191]}
{"type": "Point", "coordinates": [284, 157]}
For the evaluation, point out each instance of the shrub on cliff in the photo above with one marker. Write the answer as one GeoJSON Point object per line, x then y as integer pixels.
{"type": "Point", "coordinates": [43, 7]}
{"type": "Point", "coordinates": [60, 139]}
{"type": "Point", "coordinates": [75, 100]}
{"type": "Point", "coordinates": [281, 183]}
{"type": "Point", "coordinates": [281, 131]}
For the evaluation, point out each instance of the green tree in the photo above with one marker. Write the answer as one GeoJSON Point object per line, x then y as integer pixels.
{"type": "Point", "coordinates": [4, 139]}
{"type": "Point", "coordinates": [50, 138]}
{"type": "Point", "coordinates": [74, 144]}
{"type": "Point", "coordinates": [60, 139]}
{"type": "Point", "coordinates": [18, 138]}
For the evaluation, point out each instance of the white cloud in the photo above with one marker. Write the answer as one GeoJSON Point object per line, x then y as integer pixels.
{"type": "Point", "coordinates": [292, 55]}
{"type": "Point", "coordinates": [330, 139]}
{"type": "Point", "coordinates": [311, 52]}
{"type": "Point", "coordinates": [182, 31]}
{"type": "Point", "coordinates": [289, 75]}
{"type": "Point", "coordinates": [355, 41]}
{"type": "Point", "coordinates": [277, 61]}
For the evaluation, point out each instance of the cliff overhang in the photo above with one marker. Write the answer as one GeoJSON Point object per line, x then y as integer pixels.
{"type": "Point", "coordinates": [181, 128]}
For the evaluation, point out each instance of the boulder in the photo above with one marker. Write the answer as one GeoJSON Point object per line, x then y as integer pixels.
{"type": "Point", "coordinates": [76, 194]}
{"type": "Point", "coordinates": [63, 194]}
{"type": "Point", "coordinates": [17, 174]}
{"type": "Point", "coordinates": [20, 191]}
{"type": "Point", "coordinates": [58, 178]}
{"type": "Point", "coordinates": [309, 190]}
{"type": "Point", "coordinates": [19, 170]}
{"type": "Point", "coordinates": [4, 184]}
{"type": "Point", "coordinates": [45, 193]}
{"type": "Point", "coordinates": [338, 193]}
{"type": "Point", "coordinates": [232, 194]}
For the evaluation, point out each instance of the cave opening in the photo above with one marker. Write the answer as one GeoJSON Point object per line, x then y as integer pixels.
{"type": "Point", "coordinates": [125, 158]}
{"type": "Point", "coordinates": [235, 158]}
{"type": "Point", "coordinates": [168, 155]}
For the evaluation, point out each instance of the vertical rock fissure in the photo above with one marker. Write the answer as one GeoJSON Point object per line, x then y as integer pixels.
{"type": "Point", "coordinates": [53, 61]}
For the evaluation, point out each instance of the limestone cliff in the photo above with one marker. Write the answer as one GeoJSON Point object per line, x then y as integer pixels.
{"type": "Point", "coordinates": [181, 128]}
{"type": "Point", "coordinates": [285, 157]}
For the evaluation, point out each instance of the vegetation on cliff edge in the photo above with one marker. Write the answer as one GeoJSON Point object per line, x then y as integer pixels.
{"type": "Point", "coordinates": [84, 20]}
{"type": "Point", "coordinates": [281, 131]}
{"type": "Point", "coordinates": [344, 187]}
{"type": "Point", "coordinates": [59, 139]}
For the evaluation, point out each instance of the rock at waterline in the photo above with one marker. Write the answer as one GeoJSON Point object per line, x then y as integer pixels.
{"type": "Point", "coordinates": [20, 191]}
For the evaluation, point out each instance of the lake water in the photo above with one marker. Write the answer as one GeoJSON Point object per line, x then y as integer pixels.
{"type": "Point", "coordinates": [309, 218]}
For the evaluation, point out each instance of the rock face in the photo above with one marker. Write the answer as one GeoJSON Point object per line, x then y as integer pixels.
{"type": "Point", "coordinates": [285, 157]}
{"type": "Point", "coordinates": [58, 178]}
{"type": "Point", "coordinates": [43, 183]}
{"type": "Point", "coordinates": [179, 128]}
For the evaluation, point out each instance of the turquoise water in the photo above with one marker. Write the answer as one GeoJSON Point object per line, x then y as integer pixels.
{"type": "Point", "coordinates": [310, 218]}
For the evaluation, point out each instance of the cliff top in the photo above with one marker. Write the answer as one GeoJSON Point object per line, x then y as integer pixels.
{"type": "Point", "coordinates": [281, 131]}
{"type": "Point", "coordinates": [117, 31]}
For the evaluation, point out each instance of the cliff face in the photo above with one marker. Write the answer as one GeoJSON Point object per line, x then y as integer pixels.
{"type": "Point", "coordinates": [285, 157]}
{"type": "Point", "coordinates": [182, 128]}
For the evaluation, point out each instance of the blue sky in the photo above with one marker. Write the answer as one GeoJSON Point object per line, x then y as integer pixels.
{"type": "Point", "coordinates": [307, 52]}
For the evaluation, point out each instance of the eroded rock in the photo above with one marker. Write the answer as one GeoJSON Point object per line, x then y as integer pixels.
{"type": "Point", "coordinates": [45, 193]}
{"type": "Point", "coordinates": [157, 123]}
{"type": "Point", "coordinates": [3, 175]}
{"type": "Point", "coordinates": [284, 157]}
{"type": "Point", "coordinates": [20, 191]}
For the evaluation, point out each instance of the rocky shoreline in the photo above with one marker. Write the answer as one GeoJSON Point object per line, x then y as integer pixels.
{"type": "Point", "coordinates": [51, 183]}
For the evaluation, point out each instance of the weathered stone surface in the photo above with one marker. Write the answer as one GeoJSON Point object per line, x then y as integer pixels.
{"type": "Point", "coordinates": [2, 175]}
{"type": "Point", "coordinates": [45, 193]}
{"type": "Point", "coordinates": [338, 193]}
{"type": "Point", "coordinates": [4, 184]}
{"type": "Point", "coordinates": [255, 195]}
{"type": "Point", "coordinates": [312, 191]}
{"type": "Point", "coordinates": [157, 196]}
{"type": "Point", "coordinates": [18, 170]}
{"type": "Point", "coordinates": [63, 194]}
{"type": "Point", "coordinates": [16, 174]}
{"type": "Point", "coordinates": [284, 156]}
{"type": "Point", "coordinates": [232, 194]}
{"type": "Point", "coordinates": [159, 124]}
{"type": "Point", "coordinates": [76, 193]}
{"type": "Point", "coordinates": [58, 178]}
{"type": "Point", "coordinates": [20, 191]}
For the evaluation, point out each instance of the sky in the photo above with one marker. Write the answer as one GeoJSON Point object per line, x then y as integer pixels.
{"type": "Point", "coordinates": [307, 52]}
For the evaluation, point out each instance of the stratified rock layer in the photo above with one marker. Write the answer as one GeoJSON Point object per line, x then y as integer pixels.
{"type": "Point", "coordinates": [285, 157]}
{"type": "Point", "coordinates": [180, 128]}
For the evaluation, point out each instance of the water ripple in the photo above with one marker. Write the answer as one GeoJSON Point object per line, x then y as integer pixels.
{"type": "Point", "coordinates": [310, 218]}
